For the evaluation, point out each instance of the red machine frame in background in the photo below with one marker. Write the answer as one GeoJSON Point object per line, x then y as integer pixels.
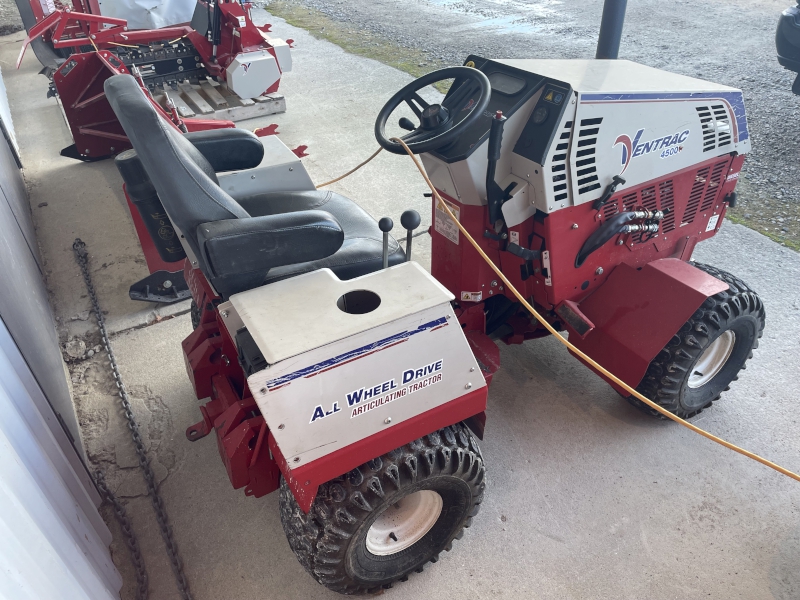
{"type": "Point", "coordinates": [88, 42]}
{"type": "Point", "coordinates": [92, 120]}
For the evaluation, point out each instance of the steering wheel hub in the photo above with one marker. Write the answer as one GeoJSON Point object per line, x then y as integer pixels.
{"type": "Point", "coordinates": [433, 116]}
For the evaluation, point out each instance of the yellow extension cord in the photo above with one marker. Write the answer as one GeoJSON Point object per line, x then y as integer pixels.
{"type": "Point", "coordinates": [558, 336]}
{"type": "Point", "coordinates": [351, 171]}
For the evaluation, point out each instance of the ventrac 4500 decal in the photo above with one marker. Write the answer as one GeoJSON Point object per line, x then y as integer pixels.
{"type": "Point", "coordinates": [366, 399]}
{"type": "Point", "coordinates": [666, 146]}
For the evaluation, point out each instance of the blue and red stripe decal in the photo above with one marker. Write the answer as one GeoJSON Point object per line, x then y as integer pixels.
{"type": "Point", "coordinates": [734, 100]}
{"type": "Point", "coordinates": [355, 354]}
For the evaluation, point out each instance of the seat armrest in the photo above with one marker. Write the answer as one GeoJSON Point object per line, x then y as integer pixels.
{"type": "Point", "coordinates": [257, 244]}
{"type": "Point", "coordinates": [228, 149]}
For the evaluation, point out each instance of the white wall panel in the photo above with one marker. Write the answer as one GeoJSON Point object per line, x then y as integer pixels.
{"type": "Point", "coordinates": [53, 543]}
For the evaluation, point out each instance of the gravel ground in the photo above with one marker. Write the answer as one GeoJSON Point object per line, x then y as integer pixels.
{"type": "Point", "coordinates": [9, 17]}
{"type": "Point", "coordinates": [730, 42]}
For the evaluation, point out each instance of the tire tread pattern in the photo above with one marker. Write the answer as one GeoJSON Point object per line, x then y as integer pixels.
{"type": "Point", "coordinates": [319, 538]}
{"type": "Point", "coordinates": [664, 378]}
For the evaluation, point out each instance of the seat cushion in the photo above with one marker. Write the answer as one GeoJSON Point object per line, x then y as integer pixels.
{"type": "Point", "coordinates": [185, 181]}
{"type": "Point", "coordinates": [362, 250]}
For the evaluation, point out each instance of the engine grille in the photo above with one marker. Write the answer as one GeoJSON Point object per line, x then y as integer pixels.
{"type": "Point", "coordinates": [586, 169]}
{"type": "Point", "coordinates": [667, 194]}
{"type": "Point", "coordinates": [705, 190]}
{"type": "Point", "coordinates": [558, 164]}
{"type": "Point", "coordinates": [698, 188]}
{"type": "Point", "coordinates": [723, 125]}
{"type": "Point", "coordinates": [704, 193]}
{"type": "Point", "coordinates": [715, 125]}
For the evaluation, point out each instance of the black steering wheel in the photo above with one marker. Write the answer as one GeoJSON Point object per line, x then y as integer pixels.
{"type": "Point", "coordinates": [440, 124]}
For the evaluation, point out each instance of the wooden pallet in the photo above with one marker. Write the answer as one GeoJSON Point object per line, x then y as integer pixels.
{"type": "Point", "coordinates": [212, 100]}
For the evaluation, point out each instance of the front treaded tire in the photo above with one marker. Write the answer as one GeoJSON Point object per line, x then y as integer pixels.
{"type": "Point", "coordinates": [738, 311]}
{"type": "Point", "coordinates": [331, 540]}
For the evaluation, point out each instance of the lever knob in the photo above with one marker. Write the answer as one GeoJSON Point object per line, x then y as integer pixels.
{"type": "Point", "coordinates": [407, 124]}
{"type": "Point", "coordinates": [385, 225]}
{"type": "Point", "coordinates": [410, 220]}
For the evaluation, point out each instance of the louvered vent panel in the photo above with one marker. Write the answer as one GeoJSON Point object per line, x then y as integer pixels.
{"type": "Point", "coordinates": [585, 167]}
{"type": "Point", "coordinates": [714, 184]}
{"type": "Point", "coordinates": [649, 198]}
{"type": "Point", "coordinates": [621, 203]}
{"type": "Point", "coordinates": [707, 128]}
{"type": "Point", "coordinates": [630, 200]}
{"type": "Point", "coordinates": [667, 201]}
{"type": "Point", "coordinates": [610, 209]}
{"type": "Point", "coordinates": [698, 187]}
{"type": "Point", "coordinates": [722, 125]}
{"type": "Point", "coordinates": [558, 164]}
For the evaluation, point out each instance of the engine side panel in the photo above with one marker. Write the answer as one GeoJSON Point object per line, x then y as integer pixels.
{"type": "Point", "coordinates": [695, 198]}
{"type": "Point", "coordinates": [646, 136]}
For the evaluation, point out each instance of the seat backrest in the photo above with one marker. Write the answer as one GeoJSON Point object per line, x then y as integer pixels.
{"type": "Point", "coordinates": [185, 182]}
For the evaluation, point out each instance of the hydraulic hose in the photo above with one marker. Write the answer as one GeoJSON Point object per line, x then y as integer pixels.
{"type": "Point", "coordinates": [604, 233]}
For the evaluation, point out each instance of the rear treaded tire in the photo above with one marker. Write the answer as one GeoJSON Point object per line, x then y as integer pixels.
{"type": "Point", "coordinates": [666, 381]}
{"type": "Point", "coordinates": [329, 540]}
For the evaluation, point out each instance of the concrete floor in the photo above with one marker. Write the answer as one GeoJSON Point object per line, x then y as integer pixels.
{"type": "Point", "coordinates": [587, 497]}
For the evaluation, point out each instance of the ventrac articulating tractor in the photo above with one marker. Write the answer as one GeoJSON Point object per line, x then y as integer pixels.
{"type": "Point", "coordinates": [339, 372]}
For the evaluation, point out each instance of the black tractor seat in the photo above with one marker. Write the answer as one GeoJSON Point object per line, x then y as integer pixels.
{"type": "Point", "coordinates": [244, 243]}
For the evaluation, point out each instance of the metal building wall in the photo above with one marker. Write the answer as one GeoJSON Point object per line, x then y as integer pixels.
{"type": "Point", "coordinates": [53, 542]}
{"type": "Point", "coordinates": [24, 305]}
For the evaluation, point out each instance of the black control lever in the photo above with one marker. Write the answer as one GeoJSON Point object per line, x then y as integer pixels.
{"type": "Point", "coordinates": [385, 225]}
{"type": "Point", "coordinates": [610, 189]}
{"type": "Point", "coordinates": [523, 253]}
{"type": "Point", "coordinates": [410, 220]}
{"type": "Point", "coordinates": [495, 195]}
{"type": "Point", "coordinates": [215, 34]}
{"type": "Point", "coordinates": [498, 237]}
{"type": "Point", "coordinates": [407, 124]}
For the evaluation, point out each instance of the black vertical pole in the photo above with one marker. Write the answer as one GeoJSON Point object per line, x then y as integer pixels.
{"type": "Point", "coordinates": [611, 28]}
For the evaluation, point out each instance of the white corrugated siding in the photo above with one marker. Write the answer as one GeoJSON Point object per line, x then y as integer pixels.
{"type": "Point", "coordinates": [53, 543]}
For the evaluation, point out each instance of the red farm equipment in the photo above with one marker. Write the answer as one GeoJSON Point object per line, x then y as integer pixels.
{"type": "Point", "coordinates": [80, 48]}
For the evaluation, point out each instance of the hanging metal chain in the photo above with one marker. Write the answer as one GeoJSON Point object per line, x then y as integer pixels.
{"type": "Point", "coordinates": [82, 256]}
{"type": "Point", "coordinates": [142, 590]}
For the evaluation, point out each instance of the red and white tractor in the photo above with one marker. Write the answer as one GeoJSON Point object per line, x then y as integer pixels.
{"type": "Point", "coordinates": [339, 372]}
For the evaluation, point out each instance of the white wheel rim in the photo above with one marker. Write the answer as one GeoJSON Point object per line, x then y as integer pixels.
{"type": "Point", "coordinates": [404, 523]}
{"type": "Point", "coordinates": [712, 360]}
